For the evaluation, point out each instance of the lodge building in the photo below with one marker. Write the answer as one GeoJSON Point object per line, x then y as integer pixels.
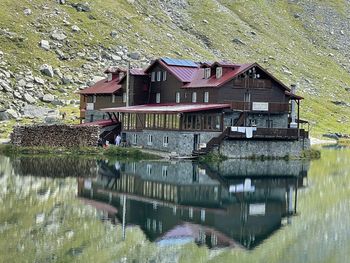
{"type": "Point", "coordinates": [185, 107]}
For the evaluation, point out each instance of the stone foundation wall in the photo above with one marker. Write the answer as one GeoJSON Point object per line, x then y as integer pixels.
{"type": "Point", "coordinates": [180, 142]}
{"type": "Point", "coordinates": [240, 149]}
{"type": "Point", "coordinates": [55, 135]}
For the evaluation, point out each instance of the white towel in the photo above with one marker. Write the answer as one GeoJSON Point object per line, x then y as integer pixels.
{"type": "Point", "coordinates": [241, 129]}
{"type": "Point", "coordinates": [234, 128]}
{"type": "Point", "coordinates": [249, 132]}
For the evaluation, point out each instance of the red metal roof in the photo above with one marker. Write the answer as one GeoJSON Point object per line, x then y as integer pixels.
{"type": "Point", "coordinates": [103, 87]}
{"type": "Point", "coordinates": [168, 108]}
{"type": "Point", "coordinates": [199, 82]}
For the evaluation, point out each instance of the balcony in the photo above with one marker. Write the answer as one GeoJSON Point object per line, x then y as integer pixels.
{"type": "Point", "coordinates": [271, 107]}
{"type": "Point", "coordinates": [270, 134]}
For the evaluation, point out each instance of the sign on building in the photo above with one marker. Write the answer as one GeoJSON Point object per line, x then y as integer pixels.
{"type": "Point", "coordinates": [260, 106]}
{"type": "Point", "coordinates": [89, 106]}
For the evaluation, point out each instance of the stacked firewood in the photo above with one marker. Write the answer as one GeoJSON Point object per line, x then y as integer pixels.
{"type": "Point", "coordinates": [55, 135]}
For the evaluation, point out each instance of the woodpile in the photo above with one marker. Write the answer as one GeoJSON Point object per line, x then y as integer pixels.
{"type": "Point", "coordinates": [55, 135]}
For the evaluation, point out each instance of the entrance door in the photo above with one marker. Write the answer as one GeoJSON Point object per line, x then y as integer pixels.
{"type": "Point", "coordinates": [196, 142]}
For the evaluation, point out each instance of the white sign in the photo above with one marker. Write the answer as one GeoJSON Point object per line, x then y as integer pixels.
{"type": "Point", "coordinates": [257, 209]}
{"type": "Point", "coordinates": [89, 106]}
{"type": "Point", "coordinates": [261, 106]}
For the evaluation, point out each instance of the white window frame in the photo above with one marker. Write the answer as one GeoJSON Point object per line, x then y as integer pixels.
{"type": "Point", "coordinates": [207, 72]}
{"type": "Point", "coordinates": [158, 97]}
{"type": "Point", "coordinates": [94, 99]}
{"type": "Point", "coordinates": [206, 96]}
{"type": "Point", "coordinates": [159, 76]}
{"type": "Point", "coordinates": [177, 97]}
{"type": "Point", "coordinates": [194, 97]}
{"type": "Point", "coordinates": [153, 76]}
{"type": "Point", "coordinates": [124, 97]}
{"type": "Point", "coordinates": [149, 139]}
{"type": "Point", "coordinates": [113, 98]}
{"type": "Point", "coordinates": [164, 75]}
{"type": "Point", "coordinates": [164, 171]}
{"type": "Point", "coordinates": [218, 72]}
{"type": "Point", "coordinates": [134, 138]}
{"type": "Point", "coordinates": [165, 141]}
{"type": "Point", "coordinates": [149, 169]}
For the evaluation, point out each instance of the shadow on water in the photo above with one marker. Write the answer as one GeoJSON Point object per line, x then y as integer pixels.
{"type": "Point", "coordinates": [231, 204]}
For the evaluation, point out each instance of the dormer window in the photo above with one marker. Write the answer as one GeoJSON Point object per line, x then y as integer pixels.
{"type": "Point", "coordinates": [109, 77]}
{"type": "Point", "coordinates": [218, 72]}
{"type": "Point", "coordinates": [207, 72]}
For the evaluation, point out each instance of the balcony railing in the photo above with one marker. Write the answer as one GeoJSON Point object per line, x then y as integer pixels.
{"type": "Point", "coordinates": [271, 133]}
{"type": "Point", "coordinates": [259, 106]}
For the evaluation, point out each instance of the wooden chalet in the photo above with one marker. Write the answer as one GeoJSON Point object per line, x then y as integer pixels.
{"type": "Point", "coordinates": [184, 106]}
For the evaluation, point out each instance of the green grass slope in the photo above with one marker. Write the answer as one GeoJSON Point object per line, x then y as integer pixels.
{"type": "Point", "coordinates": [292, 47]}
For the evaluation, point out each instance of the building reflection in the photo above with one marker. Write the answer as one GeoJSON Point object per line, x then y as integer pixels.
{"type": "Point", "coordinates": [175, 203]}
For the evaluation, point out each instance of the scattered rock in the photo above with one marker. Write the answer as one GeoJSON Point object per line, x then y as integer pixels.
{"type": "Point", "coordinates": [48, 98]}
{"type": "Point", "coordinates": [60, 54]}
{"type": "Point", "coordinates": [114, 34]}
{"type": "Point", "coordinates": [5, 86]}
{"type": "Point", "coordinates": [238, 41]}
{"type": "Point", "coordinates": [39, 81]}
{"type": "Point", "coordinates": [75, 28]}
{"type": "Point", "coordinates": [21, 83]}
{"type": "Point", "coordinates": [12, 114]}
{"type": "Point", "coordinates": [82, 7]}
{"type": "Point", "coordinates": [67, 79]}
{"type": "Point", "coordinates": [296, 15]}
{"type": "Point", "coordinates": [59, 36]}
{"type": "Point", "coordinates": [28, 98]}
{"type": "Point", "coordinates": [47, 70]}
{"type": "Point", "coordinates": [61, 2]}
{"type": "Point", "coordinates": [45, 44]}
{"type": "Point", "coordinates": [27, 11]}
{"type": "Point", "coordinates": [135, 55]}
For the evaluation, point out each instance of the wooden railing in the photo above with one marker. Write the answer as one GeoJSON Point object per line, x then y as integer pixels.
{"type": "Point", "coordinates": [248, 106]}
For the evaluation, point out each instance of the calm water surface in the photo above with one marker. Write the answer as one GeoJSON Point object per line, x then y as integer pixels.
{"type": "Point", "coordinates": [59, 209]}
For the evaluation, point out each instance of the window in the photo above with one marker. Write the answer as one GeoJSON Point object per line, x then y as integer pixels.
{"type": "Point", "coordinates": [157, 97]}
{"type": "Point", "coordinates": [153, 76]}
{"type": "Point", "coordinates": [164, 171]}
{"type": "Point", "coordinates": [269, 124]}
{"type": "Point", "coordinates": [124, 97]}
{"type": "Point", "coordinates": [218, 72]}
{"type": "Point", "coordinates": [159, 75]}
{"type": "Point", "coordinates": [94, 99]}
{"type": "Point", "coordinates": [194, 97]}
{"type": "Point", "coordinates": [150, 139]}
{"type": "Point", "coordinates": [113, 98]}
{"type": "Point", "coordinates": [165, 141]}
{"type": "Point", "coordinates": [206, 96]}
{"type": "Point", "coordinates": [177, 97]}
{"type": "Point", "coordinates": [164, 75]}
{"type": "Point", "coordinates": [207, 72]}
{"type": "Point", "coordinates": [134, 138]}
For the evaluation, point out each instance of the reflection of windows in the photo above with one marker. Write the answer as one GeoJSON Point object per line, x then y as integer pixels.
{"type": "Point", "coordinates": [165, 141]}
{"type": "Point", "coordinates": [269, 124]}
{"type": "Point", "coordinates": [150, 139]}
{"type": "Point", "coordinates": [164, 171]}
{"type": "Point", "coordinates": [190, 212]}
{"type": "Point", "coordinates": [203, 215]}
{"type": "Point", "coordinates": [149, 169]}
{"type": "Point", "coordinates": [158, 97]}
{"type": "Point", "coordinates": [134, 138]}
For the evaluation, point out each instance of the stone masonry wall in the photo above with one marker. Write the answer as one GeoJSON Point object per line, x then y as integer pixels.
{"type": "Point", "coordinates": [179, 142]}
{"type": "Point", "coordinates": [55, 135]}
{"type": "Point", "coordinates": [240, 149]}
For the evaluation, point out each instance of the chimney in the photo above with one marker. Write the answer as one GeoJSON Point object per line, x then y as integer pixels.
{"type": "Point", "coordinates": [293, 124]}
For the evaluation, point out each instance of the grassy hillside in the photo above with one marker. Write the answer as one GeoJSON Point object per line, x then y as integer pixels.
{"type": "Point", "coordinates": [298, 41]}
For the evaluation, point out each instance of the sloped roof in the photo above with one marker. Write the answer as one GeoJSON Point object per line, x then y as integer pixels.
{"type": "Point", "coordinates": [199, 82]}
{"type": "Point", "coordinates": [102, 87]}
{"type": "Point", "coordinates": [134, 72]}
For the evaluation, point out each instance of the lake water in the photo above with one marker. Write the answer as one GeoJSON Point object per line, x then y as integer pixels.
{"type": "Point", "coordinates": [64, 209]}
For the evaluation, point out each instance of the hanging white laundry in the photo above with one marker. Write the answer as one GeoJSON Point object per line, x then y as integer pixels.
{"type": "Point", "coordinates": [234, 128]}
{"type": "Point", "coordinates": [241, 129]}
{"type": "Point", "coordinates": [249, 132]}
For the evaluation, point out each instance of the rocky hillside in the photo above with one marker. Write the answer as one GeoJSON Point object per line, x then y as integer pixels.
{"type": "Point", "coordinates": [51, 48]}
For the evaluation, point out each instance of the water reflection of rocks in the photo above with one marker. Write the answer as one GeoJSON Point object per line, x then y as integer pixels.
{"type": "Point", "coordinates": [233, 204]}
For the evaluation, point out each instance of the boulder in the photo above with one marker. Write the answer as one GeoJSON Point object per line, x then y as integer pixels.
{"type": "Point", "coordinates": [75, 28]}
{"type": "Point", "coordinates": [12, 114]}
{"type": "Point", "coordinates": [59, 36]}
{"type": "Point", "coordinates": [114, 34]}
{"type": "Point", "coordinates": [135, 55]}
{"type": "Point", "coordinates": [48, 98]}
{"type": "Point", "coordinates": [82, 7]}
{"type": "Point", "coordinates": [28, 98]}
{"type": "Point", "coordinates": [27, 11]}
{"type": "Point", "coordinates": [67, 79]}
{"type": "Point", "coordinates": [39, 81]}
{"type": "Point", "coordinates": [5, 86]}
{"type": "Point", "coordinates": [45, 44]}
{"type": "Point", "coordinates": [47, 70]}
{"type": "Point", "coordinates": [21, 83]}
